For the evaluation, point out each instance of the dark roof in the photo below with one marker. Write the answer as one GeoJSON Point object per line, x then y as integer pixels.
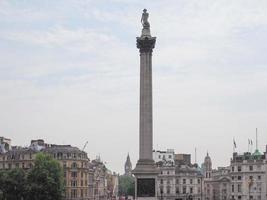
{"type": "Point", "coordinates": [62, 149]}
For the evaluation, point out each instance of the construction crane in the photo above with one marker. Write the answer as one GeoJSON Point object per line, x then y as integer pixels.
{"type": "Point", "coordinates": [85, 145]}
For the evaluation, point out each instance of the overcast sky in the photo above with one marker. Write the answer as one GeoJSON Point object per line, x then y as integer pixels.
{"type": "Point", "coordinates": [69, 73]}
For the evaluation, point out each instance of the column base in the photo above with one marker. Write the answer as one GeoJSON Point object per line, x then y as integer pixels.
{"type": "Point", "coordinates": [146, 175]}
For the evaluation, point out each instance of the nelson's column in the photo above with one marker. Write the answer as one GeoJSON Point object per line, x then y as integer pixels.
{"type": "Point", "coordinates": [145, 171]}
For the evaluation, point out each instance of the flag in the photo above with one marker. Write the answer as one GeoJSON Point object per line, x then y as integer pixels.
{"type": "Point", "coordinates": [251, 142]}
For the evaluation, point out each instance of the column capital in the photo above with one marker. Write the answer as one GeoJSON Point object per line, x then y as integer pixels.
{"type": "Point", "coordinates": [145, 44]}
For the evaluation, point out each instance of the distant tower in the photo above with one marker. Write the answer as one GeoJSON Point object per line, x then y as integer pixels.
{"type": "Point", "coordinates": [207, 167]}
{"type": "Point", "coordinates": [128, 166]}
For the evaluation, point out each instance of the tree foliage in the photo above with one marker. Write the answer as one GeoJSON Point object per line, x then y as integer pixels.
{"type": "Point", "coordinates": [45, 179]}
{"type": "Point", "coordinates": [43, 182]}
{"type": "Point", "coordinates": [126, 185]}
{"type": "Point", "coordinates": [13, 184]}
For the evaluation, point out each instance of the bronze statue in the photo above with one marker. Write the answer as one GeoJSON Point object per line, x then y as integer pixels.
{"type": "Point", "coordinates": [144, 19]}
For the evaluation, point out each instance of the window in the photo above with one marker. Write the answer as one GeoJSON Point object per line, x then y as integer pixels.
{"type": "Point", "coordinates": [81, 192]}
{"type": "Point", "coordinates": [177, 190]}
{"type": "Point", "coordinates": [239, 178]}
{"type": "Point", "coordinates": [239, 168]}
{"type": "Point", "coordinates": [250, 168]}
{"type": "Point", "coordinates": [191, 190]}
{"type": "Point", "coordinates": [177, 181]}
{"type": "Point", "coordinates": [168, 190]}
{"type": "Point", "coordinates": [168, 172]}
{"type": "Point", "coordinates": [159, 156]}
{"type": "Point", "coordinates": [184, 190]}
{"type": "Point", "coordinates": [168, 182]}
{"type": "Point", "coordinates": [81, 182]}
{"type": "Point", "coordinates": [233, 169]}
{"type": "Point", "coordinates": [73, 174]}
{"type": "Point", "coordinates": [73, 193]}
{"type": "Point", "coordinates": [74, 165]}
{"type": "Point", "coordinates": [233, 178]}
{"type": "Point", "coordinates": [170, 156]}
{"type": "Point", "coordinates": [161, 190]}
{"type": "Point", "coordinates": [191, 181]}
{"type": "Point", "coordinates": [198, 181]}
{"type": "Point", "coordinates": [73, 184]}
{"type": "Point", "coordinates": [184, 181]}
{"type": "Point", "coordinates": [161, 181]}
{"type": "Point", "coordinates": [233, 188]}
{"type": "Point", "coordinates": [251, 177]}
{"type": "Point", "coordinates": [259, 177]}
{"type": "Point", "coordinates": [238, 188]}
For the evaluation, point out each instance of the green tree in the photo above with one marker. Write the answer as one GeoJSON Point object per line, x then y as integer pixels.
{"type": "Point", "coordinates": [45, 180]}
{"type": "Point", "coordinates": [13, 184]}
{"type": "Point", "coordinates": [126, 185]}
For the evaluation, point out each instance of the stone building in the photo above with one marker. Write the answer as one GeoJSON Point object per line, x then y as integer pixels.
{"type": "Point", "coordinates": [179, 180]}
{"type": "Point", "coordinates": [75, 164]}
{"type": "Point", "coordinates": [83, 180]}
{"type": "Point", "coordinates": [248, 176]}
{"type": "Point", "coordinates": [163, 156]}
{"type": "Point", "coordinates": [5, 144]}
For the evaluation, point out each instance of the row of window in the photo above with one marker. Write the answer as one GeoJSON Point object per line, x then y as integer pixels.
{"type": "Point", "coordinates": [182, 181]}
{"type": "Point", "coordinates": [239, 178]}
{"type": "Point", "coordinates": [239, 188]}
{"type": "Point", "coordinates": [17, 157]}
{"type": "Point", "coordinates": [75, 165]}
{"type": "Point", "coordinates": [164, 156]}
{"type": "Point", "coordinates": [16, 165]}
{"type": "Point", "coordinates": [74, 193]}
{"type": "Point", "coordinates": [178, 190]}
{"type": "Point", "coordinates": [251, 197]}
{"type": "Point", "coordinates": [240, 168]}
{"type": "Point", "coordinates": [74, 183]}
{"type": "Point", "coordinates": [60, 155]}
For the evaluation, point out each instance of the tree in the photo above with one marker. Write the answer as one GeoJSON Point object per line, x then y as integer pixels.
{"type": "Point", "coordinates": [13, 184]}
{"type": "Point", "coordinates": [126, 185]}
{"type": "Point", "coordinates": [45, 180]}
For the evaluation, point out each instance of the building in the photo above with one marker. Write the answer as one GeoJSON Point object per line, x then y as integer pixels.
{"type": "Point", "coordinates": [5, 144]}
{"type": "Point", "coordinates": [248, 176]}
{"type": "Point", "coordinates": [83, 180]}
{"type": "Point", "coordinates": [178, 178]}
{"type": "Point", "coordinates": [164, 156]}
{"type": "Point", "coordinates": [128, 166]}
{"type": "Point", "coordinates": [75, 164]}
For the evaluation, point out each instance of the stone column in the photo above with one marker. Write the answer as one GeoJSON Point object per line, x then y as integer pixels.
{"type": "Point", "coordinates": [146, 171]}
{"type": "Point", "coordinates": [145, 45]}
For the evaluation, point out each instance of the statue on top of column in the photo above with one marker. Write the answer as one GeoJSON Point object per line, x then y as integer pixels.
{"type": "Point", "coordinates": [145, 23]}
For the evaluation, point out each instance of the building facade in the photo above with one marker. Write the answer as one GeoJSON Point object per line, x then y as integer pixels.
{"type": "Point", "coordinates": [83, 179]}
{"type": "Point", "coordinates": [248, 176]}
{"type": "Point", "coordinates": [179, 179]}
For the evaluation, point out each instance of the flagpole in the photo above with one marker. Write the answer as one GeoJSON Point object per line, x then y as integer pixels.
{"type": "Point", "coordinates": [256, 138]}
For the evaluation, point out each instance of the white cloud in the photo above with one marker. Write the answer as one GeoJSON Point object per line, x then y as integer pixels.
{"type": "Point", "coordinates": [71, 72]}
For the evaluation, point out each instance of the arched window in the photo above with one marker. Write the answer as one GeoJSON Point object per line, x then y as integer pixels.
{"type": "Point", "coordinates": [74, 165]}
